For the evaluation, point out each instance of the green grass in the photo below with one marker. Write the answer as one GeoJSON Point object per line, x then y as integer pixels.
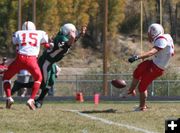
{"type": "Point", "coordinates": [52, 119]}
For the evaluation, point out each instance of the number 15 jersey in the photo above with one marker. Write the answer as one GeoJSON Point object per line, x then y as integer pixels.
{"type": "Point", "coordinates": [28, 41]}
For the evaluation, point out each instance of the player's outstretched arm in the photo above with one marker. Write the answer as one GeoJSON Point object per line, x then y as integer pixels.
{"type": "Point", "coordinates": [144, 55]}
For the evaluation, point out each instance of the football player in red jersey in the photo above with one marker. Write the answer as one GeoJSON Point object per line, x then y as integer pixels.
{"type": "Point", "coordinates": [27, 41]}
{"type": "Point", "coordinates": [148, 70]}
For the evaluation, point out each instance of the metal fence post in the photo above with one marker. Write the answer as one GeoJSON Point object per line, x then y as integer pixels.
{"type": "Point", "coordinates": [152, 90]}
{"type": "Point", "coordinates": [168, 87]}
{"type": "Point", "coordinates": [76, 83]}
{"type": "Point", "coordinates": [111, 90]}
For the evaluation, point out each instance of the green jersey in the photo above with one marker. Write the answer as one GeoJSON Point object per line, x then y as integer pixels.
{"type": "Point", "coordinates": [51, 56]}
{"type": "Point", "coordinates": [60, 48]}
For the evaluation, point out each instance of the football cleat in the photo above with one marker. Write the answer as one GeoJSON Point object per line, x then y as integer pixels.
{"type": "Point", "coordinates": [30, 104]}
{"type": "Point", "coordinates": [9, 102]}
{"type": "Point", "coordinates": [38, 103]}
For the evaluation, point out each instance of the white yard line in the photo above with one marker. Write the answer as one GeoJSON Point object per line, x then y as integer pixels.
{"type": "Point", "coordinates": [110, 122]}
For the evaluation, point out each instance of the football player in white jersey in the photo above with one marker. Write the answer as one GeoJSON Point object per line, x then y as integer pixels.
{"type": "Point", "coordinates": [148, 70]}
{"type": "Point", "coordinates": [28, 41]}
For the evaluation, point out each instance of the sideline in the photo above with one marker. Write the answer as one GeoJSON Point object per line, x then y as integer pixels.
{"type": "Point", "coordinates": [110, 122]}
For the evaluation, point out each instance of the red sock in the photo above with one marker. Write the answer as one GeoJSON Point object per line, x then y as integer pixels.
{"type": "Point", "coordinates": [35, 89]}
{"type": "Point", "coordinates": [7, 89]}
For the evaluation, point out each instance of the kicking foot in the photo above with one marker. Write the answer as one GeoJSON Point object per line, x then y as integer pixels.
{"type": "Point", "coordinates": [9, 102]}
{"type": "Point", "coordinates": [132, 92]}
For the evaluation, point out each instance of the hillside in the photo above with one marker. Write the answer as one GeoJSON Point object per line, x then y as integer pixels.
{"type": "Point", "coordinates": [81, 60]}
{"type": "Point", "coordinates": [87, 60]}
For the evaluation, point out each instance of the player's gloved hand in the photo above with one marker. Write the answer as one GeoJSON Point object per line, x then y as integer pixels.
{"type": "Point", "coordinates": [133, 58]}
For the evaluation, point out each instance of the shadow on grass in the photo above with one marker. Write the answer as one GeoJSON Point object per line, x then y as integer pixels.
{"type": "Point", "coordinates": [110, 111]}
{"type": "Point", "coordinates": [100, 111]}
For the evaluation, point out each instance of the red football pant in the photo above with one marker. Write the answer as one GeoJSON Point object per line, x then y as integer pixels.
{"type": "Point", "coordinates": [28, 63]}
{"type": "Point", "coordinates": [146, 72]}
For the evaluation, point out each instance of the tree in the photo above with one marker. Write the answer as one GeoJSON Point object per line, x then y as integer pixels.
{"type": "Point", "coordinates": [116, 15]}
{"type": "Point", "coordinates": [48, 16]}
{"type": "Point", "coordinates": [8, 24]}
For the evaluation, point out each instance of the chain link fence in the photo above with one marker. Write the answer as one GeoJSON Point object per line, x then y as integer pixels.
{"type": "Point", "coordinates": [69, 85]}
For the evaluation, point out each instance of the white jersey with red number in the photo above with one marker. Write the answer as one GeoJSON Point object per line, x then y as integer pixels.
{"type": "Point", "coordinates": [28, 41]}
{"type": "Point", "coordinates": [166, 45]}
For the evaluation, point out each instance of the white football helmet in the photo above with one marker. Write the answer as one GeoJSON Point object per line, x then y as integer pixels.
{"type": "Point", "coordinates": [154, 31]}
{"type": "Point", "coordinates": [67, 28]}
{"type": "Point", "coordinates": [28, 25]}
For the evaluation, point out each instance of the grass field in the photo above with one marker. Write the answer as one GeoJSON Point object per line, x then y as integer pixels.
{"type": "Point", "coordinates": [72, 117]}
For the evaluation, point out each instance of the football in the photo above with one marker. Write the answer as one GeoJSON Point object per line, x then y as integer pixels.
{"type": "Point", "coordinates": [118, 83]}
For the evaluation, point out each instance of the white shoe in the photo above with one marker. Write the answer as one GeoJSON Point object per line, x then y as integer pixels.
{"type": "Point", "coordinates": [30, 104]}
{"type": "Point", "coordinates": [9, 102]}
